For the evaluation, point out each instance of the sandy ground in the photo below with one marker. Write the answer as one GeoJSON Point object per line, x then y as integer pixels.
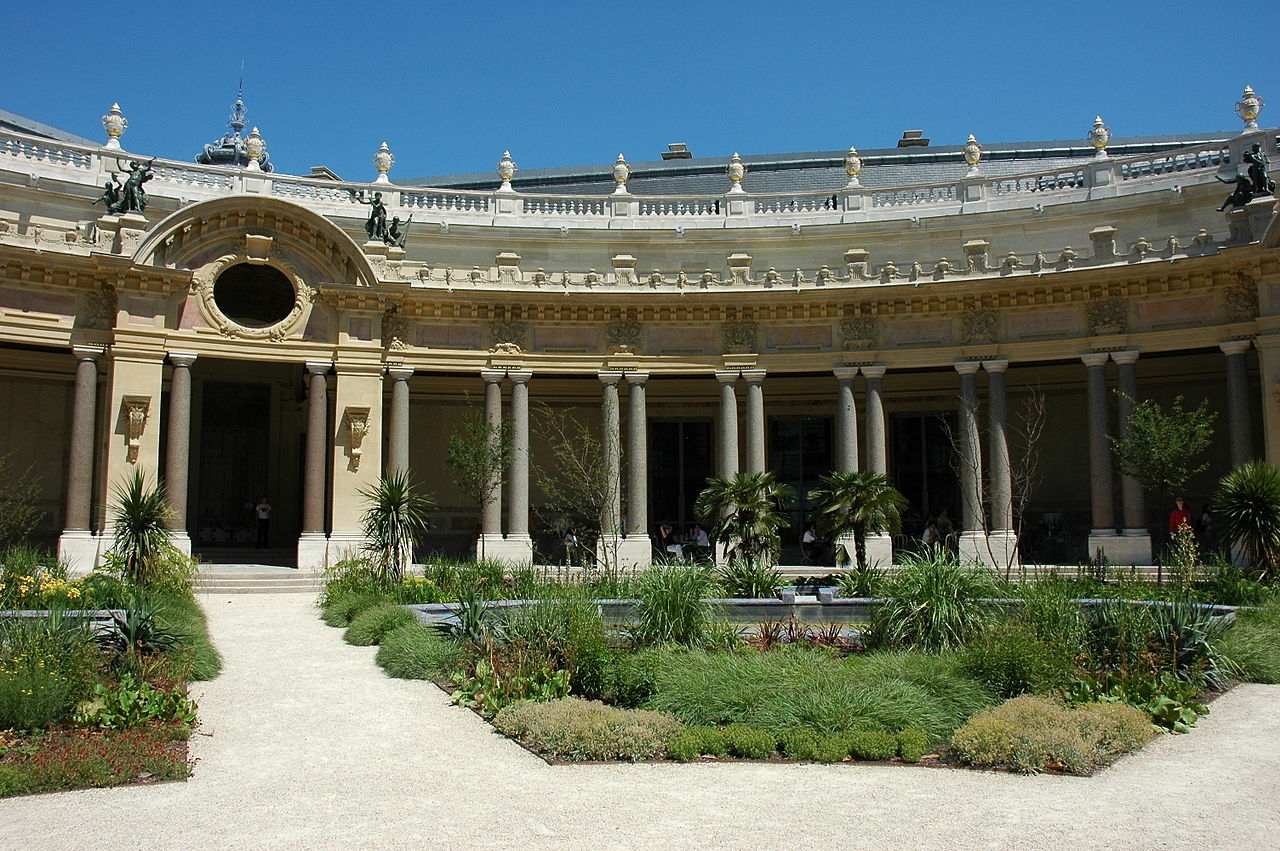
{"type": "Point", "coordinates": [305, 743]}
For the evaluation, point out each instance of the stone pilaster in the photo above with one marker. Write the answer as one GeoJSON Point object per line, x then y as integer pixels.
{"type": "Point", "coordinates": [755, 420]}
{"type": "Point", "coordinates": [357, 453]}
{"type": "Point", "coordinates": [1137, 538]}
{"type": "Point", "coordinates": [398, 438]}
{"type": "Point", "coordinates": [846, 420]}
{"type": "Point", "coordinates": [727, 442]}
{"type": "Point", "coordinates": [313, 544]}
{"type": "Point", "coordinates": [1102, 535]}
{"type": "Point", "coordinates": [1239, 423]}
{"type": "Point", "coordinates": [491, 508]}
{"type": "Point", "coordinates": [518, 510]}
{"type": "Point", "coordinates": [1001, 539]}
{"type": "Point", "coordinates": [877, 452]}
{"type": "Point", "coordinates": [611, 449]}
{"type": "Point", "coordinates": [77, 545]}
{"type": "Point", "coordinates": [636, 550]}
{"type": "Point", "coordinates": [973, 532]}
{"type": "Point", "coordinates": [178, 449]}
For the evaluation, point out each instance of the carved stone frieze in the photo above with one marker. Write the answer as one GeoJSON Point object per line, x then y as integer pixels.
{"type": "Point", "coordinates": [1108, 316]}
{"type": "Point", "coordinates": [979, 326]}
{"type": "Point", "coordinates": [508, 332]}
{"type": "Point", "coordinates": [740, 337]}
{"type": "Point", "coordinates": [1242, 299]}
{"type": "Point", "coordinates": [100, 308]}
{"type": "Point", "coordinates": [395, 330]}
{"type": "Point", "coordinates": [623, 334]}
{"type": "Point", "coordinates": [859, 332]}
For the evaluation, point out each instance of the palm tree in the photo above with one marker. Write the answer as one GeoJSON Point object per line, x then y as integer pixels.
{"type": "Point", "coordinates": [393, 522]}
{"type": "Point", "coordinates": [140, 514]}
{"type": "Point", "coordinates": [860, 503]}
{"type": "Point", "coordinates": [1248, 503]}
{"type": "Point", "coordinates": [745, 512]}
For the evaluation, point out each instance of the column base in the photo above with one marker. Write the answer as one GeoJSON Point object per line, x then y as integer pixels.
{"type": "Point", "coordinates": [1135, 548]}
{"type": "Point", "coordinates": [879, 551]}
{"type": "Point", "coordinates": [182, 542]}
{"type": "Point", "coordinates": [632, 553]}
{"type": "Point", "coordinates": [1002, 548]}
{"type": "Point", "coordinates": [1120, 550]}
{"type": "Point", "coordinates": [344, 545]}
{"type": "Point", "coordinates": [511, 550]}
{"type": "Point", "coordinates": [973, 548]}
{"type": "Point", "coordinates": [313, 552]}
{"type": "Point", "coordinates": [80, 550]}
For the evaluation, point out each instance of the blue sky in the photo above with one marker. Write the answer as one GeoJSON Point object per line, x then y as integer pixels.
{"type": "Point", "coordinates": [451, 85]}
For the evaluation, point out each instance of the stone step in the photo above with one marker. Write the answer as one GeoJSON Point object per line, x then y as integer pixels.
{"type": "Point", "coordinates": [256, 579]}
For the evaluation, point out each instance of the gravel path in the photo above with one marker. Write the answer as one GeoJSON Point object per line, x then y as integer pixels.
{"type": "Point", "coordinates": [306, 744]}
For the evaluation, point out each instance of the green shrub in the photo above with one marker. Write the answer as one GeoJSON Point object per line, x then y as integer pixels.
{"type": "Point", "coordinates": [1051, 609]}
{"type": "Point", "coordinates": [862, 581]}
{"type": "Point", "coordinates": [1184, 640]}
{"type": "Point", "coordinates": [800, 743]}
{"type": "Point", "coordinates": [671, 608]}
{"type": "Point", "coordinates": [413, 651]}
{"type": "Point", "coordinates": [684, 746]}
{"type": "Point", "coordinates": [1010, 659]}
{"type": "Point", "coordinates": [1248, 506]}
{"type": "Point", "coordinates": [131, 702]}
{"type": "Point", "coordinates": [629, 678]}
{"type": "Point", "coordinates": [833, 748]}
{"type": "Point", "coordinates": [587, 730]}
{"type": "Point", "coordinates": [1032, 734]}
{"type": "Point", "coordinates": [371, 625]}
{"type": "Point", "coordinates": [1250, 650]}
{"type": "Point", "coordinates": [342, 609]}
{"type": "Point", "coordinates": [871, 745]}
{"type": "Point", "coordinates": [711, 741]}
{"type": "Point", "coordinates": [740, 578]}
{"type": "Point", "coordinates": [933, 603]}
{"type": "Point", "coordinates": [913, 743]}
{"type": "Point", "coordinates": [32, 578]}
{"type": "Point", "coordinates": [496, 681]}
{"type": "Point", "coordinates": [749, 742]}
{"type": "Point", "coordinates": [46, 667]}
{"type": "Point", "coordinates": [195, 657]}
{"type": "Point", "coordinates": [101, 591]}
{"type": "Point", "coordinates": [564, 629]}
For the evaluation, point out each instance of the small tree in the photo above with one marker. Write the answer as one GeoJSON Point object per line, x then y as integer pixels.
{"type": "Point", "coordinates": [394, 522]}
{"type": "Point", "coordinates": [574, 488]}
{"type": "Point", "coordinates": [1160, 449]}
{"type": "Point", "coordinates": [857, 503]}
{"type": "Point", "coordinates": [744, 512]}
{"type": "Point", "coordinates": [19, 514]}
{"type": "Point", "coordinates": [478, 455]}
{"type": "Point", "coordinates": [1248, 505]}
{"type": "Point", "coordinates": [140, 515]}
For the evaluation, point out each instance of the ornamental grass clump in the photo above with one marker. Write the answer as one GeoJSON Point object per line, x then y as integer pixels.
{"type": "Point", "coordinates": [414, 651]}
{"type": "Point", "coordinates": [576, 729]}
{"type": "Point", "coordinates": [1250, 650]}
{"type": "Point", "coordinates": [671, 606]}
{"type": "Point", "coordinates": [1010, 659]}
{"type": "Point", "coordinates": [1030, 734]}
{"type": "Point", "coordinates": [369, 627]}
{"type": "Point", "coordinates": [933, 603]}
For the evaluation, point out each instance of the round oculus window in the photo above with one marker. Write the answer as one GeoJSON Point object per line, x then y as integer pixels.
{"type": "Point", "coordinates": [254, 296]}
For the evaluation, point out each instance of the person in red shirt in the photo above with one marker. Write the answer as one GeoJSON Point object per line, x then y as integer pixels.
{"type": "Point", "coordinates": [1180, 516]}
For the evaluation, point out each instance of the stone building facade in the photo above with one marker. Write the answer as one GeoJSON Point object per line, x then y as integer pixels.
{"type": "Point", "coordinates": [899, 311]}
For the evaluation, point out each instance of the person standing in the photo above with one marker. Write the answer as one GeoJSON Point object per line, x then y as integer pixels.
{"type": "Point", "coordinates": [1179, 517]}
{"type": "Point", "coordinates": [263, 512]}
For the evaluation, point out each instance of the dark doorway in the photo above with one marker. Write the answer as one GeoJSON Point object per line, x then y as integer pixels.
{"type": "Point", "coordinates": [235, 459]}
{"type": "Point", "coordinates": [799, 452]}
{"type": "Point", "coordinates": [921, 466]}
{"type": "Point", "coordinates": [680, 463]}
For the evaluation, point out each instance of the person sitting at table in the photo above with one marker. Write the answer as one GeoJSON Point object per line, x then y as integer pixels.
{"type": "Point", "coordinates": [667, 542]}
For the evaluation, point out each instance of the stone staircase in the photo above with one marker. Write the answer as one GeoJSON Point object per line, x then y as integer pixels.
{"type": "Point", "coordinates": [256, 579]}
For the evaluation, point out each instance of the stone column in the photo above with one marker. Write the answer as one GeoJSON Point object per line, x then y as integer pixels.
{"type": "Point", "coordinates": [77, 544]}
{"type": "Point", "coordinates": [846, 421]}
{"type": "Point", "coordinates": [755, 420]}
{"type": "Point", "coordinates": [1002, 541]}
{"type": "Point", "coordinates": [1135, 544]}
{"type": "Point", "coordinates": [1102, 534]}
{"type": "Point", "coordinates": [877, 452]}
{"type": "Point", "coordinates": [973, 532]}
{"type": "Point", "coordinates": [636, 550]}
{"type": "Point", "coordinates": [313, 544]}
{"type": "Point", "coordinates": [491, 508]}
{"type": "Point", "coordinates": [611, 449]}
{"type": "Point", "coordinates": [1239, 424]}
{"type": "Point", "coordinates": [178, 450]}
{"type": "Point", "coordinates": [518, 510]}
{"type": "Point", "coordinates": [398, 448]}
{"type": "Point", "coordinates": [727, 443]}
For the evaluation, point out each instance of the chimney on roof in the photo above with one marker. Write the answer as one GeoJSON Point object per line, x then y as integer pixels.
{"type": "Point", "coordinates": [323, 173]}
{"type": "Point", "coordinates": [677, 151]}
{"type": "Point", "coordinates": [913, 139]}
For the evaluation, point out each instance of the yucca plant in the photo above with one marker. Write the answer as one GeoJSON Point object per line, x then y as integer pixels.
{"type": "Point", "coordinates": [860, 503]}
{"type": "Point", "coordinates": [394, 522]}
{"type": "Point", "coordinates": [1248, 505]}
{"type": "Point", "coordinates": [140, 515]}
{"type": "Point", "coordinates": [744, 512]}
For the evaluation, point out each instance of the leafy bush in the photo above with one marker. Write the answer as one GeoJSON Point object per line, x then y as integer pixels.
{"type": "Point", "coordinates": [372, 624]}
{"type": "Point", "coordinates": [871, 745]}
{"type": "Point", "coordinates": [195, 657]}
{"type": "Point", "coordinates": [343, 608]}
{"type": "Point", "coordinates": [1010, 659]}
{"type": "Point", "coordinates": [131, 702]}
{"type": "Point", "coordinates": [1051, 609]}
{"type": "Point", "coordinates": [685, 745]}
{"type": "Point", "coordinates": [1248, 506]}
{"type": "Point", "coordinates": [414, 651]}
{"type": "Point", "coordinates": [862, 581]}
{"type": "Point", "coordinates": [1030, 734]}
{"type": "Point", "coordinates": [1169, 702]}
{"type": "Point", "coordinates": [933, 603]}
{"type": "Point", "coordinates": [913, 743]}
{"type": "Point", "coordinates": [748, 579]}
{"type": "Point", "coordinates": [565, 629]}
{"type": "Point", "coordinates": [103, 591]}
{"type": "Point", "coordinates": [749, 742]}
{"type": "Point", "coordinates": [46, 667]}
{"type": "Point", "coordinates": [800, 743]}
{"type": "Point", "coordinates": [587, 730]}
{"type": "Point", "coordinates": [671, 608]}
{"type": "Point", "coordinates": [496, 681]}
{"type": "Point", "coordinates": [1184, 641]}
{"type": "Point", "coordinates": [834, 748]}
{"type": "Point", "coordinates": [1250, 650]}
{"type": "Point", "coordinates": [33, 579]}
{"type": "Point", "coordinates": [629, 678]}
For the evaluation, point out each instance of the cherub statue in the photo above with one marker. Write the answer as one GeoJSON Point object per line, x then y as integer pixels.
{"type": "Point", "coordinates": [110, 196]}
{"type": "Point", "coordinates": [394, 235]}
{"type": "Point", "coordinates": [1241, 195]}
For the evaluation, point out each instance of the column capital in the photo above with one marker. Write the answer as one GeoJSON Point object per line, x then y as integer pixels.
{"type": "Point", "coordinates": [88, 352]}
{"type": "Point", "coordinates": [1092, 359]}
{"type": "Point", "coordinates": [874, 371]}
{"type": "Point", "coordinates": [1126, 357]}
{"type": "Point", "coordinates": [520, 376]}
{"type": "Point", "coordinates": [753, 376]}
{"type": "Point", "coordinates": [727, 376]}
{"type": "Point", "coordinates": [182, 358]}
{"type": "Point", "coordinates": [1235, 347]}
{"type": "Point", "coordinates": [845, 373]}
{"type": "Point", "coordinates": [608, 377]}
{"type": "Point", "coordinates": [996, 365]}
{"type": "Point", "coordinates": [637, 376]}
{"type": "Point", "coordinates": [400, 373]}
{"type": "Point", "coordinates": [319, 367]}
{"type": "Point", "coordinates": [968, 367]}
{"type": "Point", "coordinates": [493, 376]}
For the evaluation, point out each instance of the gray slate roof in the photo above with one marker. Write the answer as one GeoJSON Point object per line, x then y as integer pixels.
{"type": "Point", "coordinates": [13, 121]}
{"type": "Point", "coordinates": [819, 171]}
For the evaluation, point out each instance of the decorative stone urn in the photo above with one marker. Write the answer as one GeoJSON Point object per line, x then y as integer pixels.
{"type": "Point", "coordinates": [621, 174]}
{"type": "Point", "coordinates": [972, 154]}
{"type": "Point", "coordinates": [383, 160]}
{"type": "Point", "coordinates": [254, 147]}
{"type": "Point", "coordinates": [1248, 108]}
{"type": "Point", "coordinates": [853, 167]}
{"type": "Point", "coordinates": [506, 170]}
{"type": "Point", "coordinates": [115, 124]}
{"type": "Point", "coordinates": [736, 171]}
{"type": "Point", "coordinates": [1099, 137]}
